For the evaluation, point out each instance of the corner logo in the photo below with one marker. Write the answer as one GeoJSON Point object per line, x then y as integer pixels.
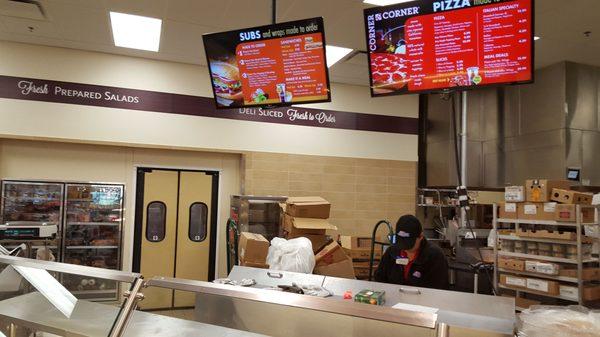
{"type": "Point", "coordinates": [28, 87]}
{"type": "Point", "coordinates": [403, 234]}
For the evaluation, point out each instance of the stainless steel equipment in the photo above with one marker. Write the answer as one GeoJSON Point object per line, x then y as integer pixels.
{"type": "Point", "coordinates": [422, 312]}
{"type": "Point", "coordinates": [257, 214]}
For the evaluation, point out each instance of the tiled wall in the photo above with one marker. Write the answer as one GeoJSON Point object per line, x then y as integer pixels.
{"type": "Point", "coordinates": [361, 191]}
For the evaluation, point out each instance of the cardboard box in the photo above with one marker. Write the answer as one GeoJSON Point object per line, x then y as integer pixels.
{"type": "Point", "coordinates": [511, 264]}
{"type": "Point", "coordinates": [546, 268]}
{"type": "Point", "coordinates": [361, 272]}
{"type": "Point", "coordinates": [543, 286]}
{"type": "Point", "coordinates": [525, 302]}
{"type": "Point", "coordinates": [513, 281]}
{"type": "Point", "coordinates": [546, 234]}
{"type": "Point", "coordinates": [568, 213]}
{"type": "Point", "coordinates": [253, 247]}
{"type": "Point", "coordinates": [540, 190]}
{"type": "Point", "coordinates": [514, 194]}
{"type": "Point", "coordinates": [318, 241]}
{"type": "Point", "coordinates": [254, 264]}
{"type": "Point", "coordinates": [590, 293]}
{"type": "Point", "coordinates": [296, 227]}
{"type": "Point", "coordinates": [370, 297]}
{"type": "Point", "coordinates": [343, 269]}
{"type": "Point", "coordinates": [508, 210]}
{"type": "Point", "coordinates": [363, 254]}
{"type": "Point", "coordinates": [537, 211]}
{"type": "Point", "coordinates": [571, 197]}
{"type": "Point", "coordinates": [355, 242]}
{"type": "Point", "coordinates": [308, 207]}
{"type": "Point", "coordinates": [332, 253]}
{"type": "Point", "coordinates": [596, 199]}
{"type": "Point", "coordinates": [588, 274]}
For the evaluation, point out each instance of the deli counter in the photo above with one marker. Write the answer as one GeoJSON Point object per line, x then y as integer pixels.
{"type": "Point", "coordinates": [232, 310]}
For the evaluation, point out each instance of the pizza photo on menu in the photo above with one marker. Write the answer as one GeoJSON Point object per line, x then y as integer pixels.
{"type": "Point", "coordinates": [388, 62]}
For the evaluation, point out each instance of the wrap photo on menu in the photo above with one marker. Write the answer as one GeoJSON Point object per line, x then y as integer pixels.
{"type": "Point", "coordinates": [273, 65]}
{"type": "Point", "coordinates": [428, 46]}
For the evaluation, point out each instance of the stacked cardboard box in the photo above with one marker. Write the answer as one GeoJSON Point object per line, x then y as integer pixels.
{"type": "Point", "coordinates": [333, 261]}
{"type": "Point", "coordinates": [307, 217]}
{"type": "Point", "coordinates": [253, 250]}
{"type": "Point", "coordinates": [359, 249]}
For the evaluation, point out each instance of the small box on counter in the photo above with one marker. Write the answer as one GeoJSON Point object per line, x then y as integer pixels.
{"type": "Point", "coordinates": [542, 267]}
{"type": "Point", "coordinates": [253, 248]}
{"type": "Point", "coordinates": [540, 190]}
{"type": "Point", "coordinates": [543, 286]}
{"type": "Point", "coordinates": [571, 197]}
{"type": "Point", "coordinates": [508, 210]}
{"type": "Point", "coordinates": [308, 207]}
{"type": "Point", "coordinates": [511, 264]}
{"type": "Point", "coordinates": [296, 227]}
{"type": "Point", "coordinates": [568, 213]}
{"type": "Point", "coordinates": [590, 293]}
{"type": "Point", "coordinates": [537, 211]}
{"type": "Point", "coordinates": [513, 281]}
{"type": "Point", "coordinates": [514, 194]}
{"type": "Point", "coordinates": [370, 297]}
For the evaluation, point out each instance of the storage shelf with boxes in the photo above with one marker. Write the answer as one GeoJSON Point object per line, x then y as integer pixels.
{"type": "Point", "coordinates": [545, 244]}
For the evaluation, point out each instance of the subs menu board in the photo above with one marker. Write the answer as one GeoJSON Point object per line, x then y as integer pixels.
{"type": "Point", "coordinates": [425, 45]}
{"type": "Point", "coordinates": [271, 65]}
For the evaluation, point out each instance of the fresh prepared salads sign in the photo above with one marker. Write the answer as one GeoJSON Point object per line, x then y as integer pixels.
{"type": "Point", "coordinates": [271, 65]}
{"type": "Point", "coordinates": [425, 45]}
{"type": "Point", "coordinates": [42, 90]}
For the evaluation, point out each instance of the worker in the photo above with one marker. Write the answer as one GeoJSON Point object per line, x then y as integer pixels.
{"type": "Point", "coordinates": [412, 260]}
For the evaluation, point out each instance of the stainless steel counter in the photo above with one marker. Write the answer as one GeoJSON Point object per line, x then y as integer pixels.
{"type": "Point", "coordinates": [94, 319]}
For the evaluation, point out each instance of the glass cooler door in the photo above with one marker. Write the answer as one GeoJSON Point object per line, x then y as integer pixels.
{"type": "Point", "coordinates": [92, 236]}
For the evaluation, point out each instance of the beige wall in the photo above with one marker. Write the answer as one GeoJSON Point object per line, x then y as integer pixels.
{"type": "Point", "coordinates": [75, 162]}
{"type": "Point", "coordinates": [40, 120]}
{"type": "Point", "coordinates": [361, 191]}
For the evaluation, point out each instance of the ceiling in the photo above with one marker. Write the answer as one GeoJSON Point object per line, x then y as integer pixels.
{"type": "Point", "coordinates": [84, 24]}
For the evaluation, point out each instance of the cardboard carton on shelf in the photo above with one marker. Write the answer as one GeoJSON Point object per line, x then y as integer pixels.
{"type": "Point", "coordinates": [514, 194]}
{"type": "Point", "coordinates": [571, 197]}
{"type": "Point", "coordinates": [590, 293]}
{"type": "Point", "coordinates": [513, 281]}
{"type": "Point", "coordinates": [540, 190]}
{"type": "Point", "coordinates": [588, 274]}
{"type": "Point", "coordinates": [296, 227]}
{"type": "Point", "coordinates": [253, 248]}
{"type": "Point", "coordinates": [508, 210]}
{"type": "Point", "coordinates": [308, 207]}
{"type": "Point", "coordinates": [511, 264]}
{"type": "Point", "coordinates": [547, 234]}
{"type": "Point", "coordinates": [537, 211]}
{"type": "Point", "coordinates": [545, 268]}
{"type": "Point", "coordinates": [568, 213]}
{"type": "Point", "coordinates": [543, 286]}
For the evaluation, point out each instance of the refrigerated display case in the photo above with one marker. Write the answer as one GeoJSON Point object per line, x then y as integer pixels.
{"type": "Point", "coordinates": [92, 236]}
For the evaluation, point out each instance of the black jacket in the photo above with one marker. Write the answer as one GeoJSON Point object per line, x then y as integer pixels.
{"type": "Point", "coordinates": [429, 270]}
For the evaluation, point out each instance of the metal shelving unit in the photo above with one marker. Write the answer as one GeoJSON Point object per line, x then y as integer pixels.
{"type": "Point", "coordinates": [580, 261]}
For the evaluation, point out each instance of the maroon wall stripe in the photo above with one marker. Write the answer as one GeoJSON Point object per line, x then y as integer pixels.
{"type": "Point", "coordinates": [132, 99]}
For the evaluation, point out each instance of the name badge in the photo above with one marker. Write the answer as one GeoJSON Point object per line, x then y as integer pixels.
{"type": "Point", "coordinates": [403, 261]}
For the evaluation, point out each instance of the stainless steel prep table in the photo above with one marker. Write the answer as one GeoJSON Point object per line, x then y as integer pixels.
{"type": "Point", "coordinates": [93, 319]}
{"type": "Point", "coordinates": [466, 314]}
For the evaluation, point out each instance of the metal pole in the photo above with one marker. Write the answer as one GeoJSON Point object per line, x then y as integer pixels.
{"type": "Point", "coordinates": [133, 297]}
{"type": "Point", "coordinates": [463, 153]}
{"type": "Point", "coordinates": [443, 330]}
{"type": "Point", "coordinates": [274, 12]}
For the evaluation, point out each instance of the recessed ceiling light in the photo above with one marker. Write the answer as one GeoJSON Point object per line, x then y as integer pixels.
{"type": "Point", "coordinates": [535, 38]}
{"type": "Point", "coordinates": [136, 32]}
{"type": "Point", "coordinates": [385, 2]}
{"type": "Point", "coordinates": [334, 54]}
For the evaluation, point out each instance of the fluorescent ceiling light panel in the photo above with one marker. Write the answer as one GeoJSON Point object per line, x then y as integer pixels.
{"type": "Point", "coordinates": [136, 32]}
{"type": "Point", "coordinates": [385, 2]}
{"type": "Point", "coordinates": [535, 38]}
{"type": "Point", "coordinates": [334, 54]}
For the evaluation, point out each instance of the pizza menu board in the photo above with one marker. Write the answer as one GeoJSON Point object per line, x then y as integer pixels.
{"type": "Point", "coordinates": [273, 65]}
{"type": "Point", "coordinates": [425, 46]}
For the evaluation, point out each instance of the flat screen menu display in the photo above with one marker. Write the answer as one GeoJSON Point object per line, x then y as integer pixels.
{"type": "Point", "coordinates": [423, 46]}
{"type": "Point", "coordinates": [273, 65]}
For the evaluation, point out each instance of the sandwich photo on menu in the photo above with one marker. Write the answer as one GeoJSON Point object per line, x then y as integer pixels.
{"type": "Point", "coordinates": [226, 82]}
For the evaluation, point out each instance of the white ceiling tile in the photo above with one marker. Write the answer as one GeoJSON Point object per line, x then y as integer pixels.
{"type": "Point", "coordinates": [151, 8]}
{"type": "Point", "coordinates": [205, 13]}
{"type": "Point", "coordinates": [31, 27]}
{"type": "Point", "coordinates": [184, 39]}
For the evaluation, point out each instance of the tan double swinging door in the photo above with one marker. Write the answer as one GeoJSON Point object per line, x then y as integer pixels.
{"type": "Point", "coordinates": [175, 230]}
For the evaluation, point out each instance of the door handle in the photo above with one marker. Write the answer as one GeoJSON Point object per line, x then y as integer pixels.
{"type": "Point", "coordinates": [274, 275]}
{"type": "Point", "coordinates": [410, 291]}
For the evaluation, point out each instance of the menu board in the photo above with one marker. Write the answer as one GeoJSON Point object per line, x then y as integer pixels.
{"type": "Point", "coordinates": [273, 65]}
{"type": "Point", "coordinates": [425, 46]}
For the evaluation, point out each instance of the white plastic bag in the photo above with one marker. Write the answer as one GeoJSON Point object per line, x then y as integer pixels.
{"type": "Point", "coordinates": [291, 255]}
{"type": "Point", "coordinates": [548, 321]}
